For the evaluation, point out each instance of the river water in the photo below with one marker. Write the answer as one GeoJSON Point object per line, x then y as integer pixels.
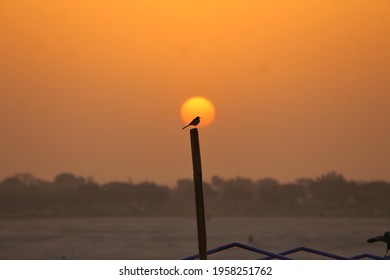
{"type": "Point", "coordinates": [176, 238]}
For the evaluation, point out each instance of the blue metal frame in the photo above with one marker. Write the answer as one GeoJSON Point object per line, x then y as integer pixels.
{"type": "Point", "coordinates": [283, 255]}
{"type": "Point", "coordinates": [310, 250]}
{"type": "Point", "coordinates": [242, 246]}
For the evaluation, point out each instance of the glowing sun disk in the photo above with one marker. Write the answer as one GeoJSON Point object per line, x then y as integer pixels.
{"type": "Point", "coordinates": [198, 106]}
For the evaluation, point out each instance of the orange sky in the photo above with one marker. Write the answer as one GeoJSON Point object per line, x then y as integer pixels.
{"type": "Point", "coordinates": [94, 87]}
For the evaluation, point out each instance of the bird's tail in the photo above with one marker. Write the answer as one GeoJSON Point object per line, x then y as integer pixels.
{"type": "Point", "coordinates": [186, 126]}
{"type": "Point", "coordinates": [372, 240]}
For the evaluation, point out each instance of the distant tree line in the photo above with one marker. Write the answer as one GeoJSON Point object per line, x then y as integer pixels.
{"type": "Point", "coordinates": [329, 195]}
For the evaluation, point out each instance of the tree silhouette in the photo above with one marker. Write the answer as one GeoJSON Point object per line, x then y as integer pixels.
{"type": "Point", "coordinates": [24, 195]}
{"type": "Point", "coordinates": [68, 180]}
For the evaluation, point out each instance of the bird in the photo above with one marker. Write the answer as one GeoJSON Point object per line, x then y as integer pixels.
{"type": "Point", "coordinates": [194, 122]}
{"type": "Point", "coordinates": [385, 238]}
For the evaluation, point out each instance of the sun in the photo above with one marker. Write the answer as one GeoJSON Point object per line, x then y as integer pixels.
{"type": "Point", "coordinates": [198, 106]}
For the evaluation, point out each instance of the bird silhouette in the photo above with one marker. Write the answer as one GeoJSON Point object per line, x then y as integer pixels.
{"type": "Point", "coordinates": [384, 238]}
{"type": "Point", "coordinates": [194, 122]}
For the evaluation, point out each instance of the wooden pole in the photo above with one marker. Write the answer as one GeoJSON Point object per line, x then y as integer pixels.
{"type": "Point", "coordinates": [199, 203]}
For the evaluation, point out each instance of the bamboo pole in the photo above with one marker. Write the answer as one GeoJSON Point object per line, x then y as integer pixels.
{"type": "Point", "coordinates": [199, 202]}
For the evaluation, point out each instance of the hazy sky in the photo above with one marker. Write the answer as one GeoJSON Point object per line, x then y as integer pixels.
{"type": "Point", "coordinates": [94, 87]}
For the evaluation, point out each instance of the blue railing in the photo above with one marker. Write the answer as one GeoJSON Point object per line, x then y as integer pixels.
{"type": "Point", "coordinates": [283, 255]}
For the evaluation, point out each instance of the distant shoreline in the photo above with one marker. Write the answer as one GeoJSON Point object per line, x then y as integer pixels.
{"type": "Point", "coordinates": [329, 195]}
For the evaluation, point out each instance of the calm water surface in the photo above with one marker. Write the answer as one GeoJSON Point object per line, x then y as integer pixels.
{"type": "Point", "coordinates": [175, 238]}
